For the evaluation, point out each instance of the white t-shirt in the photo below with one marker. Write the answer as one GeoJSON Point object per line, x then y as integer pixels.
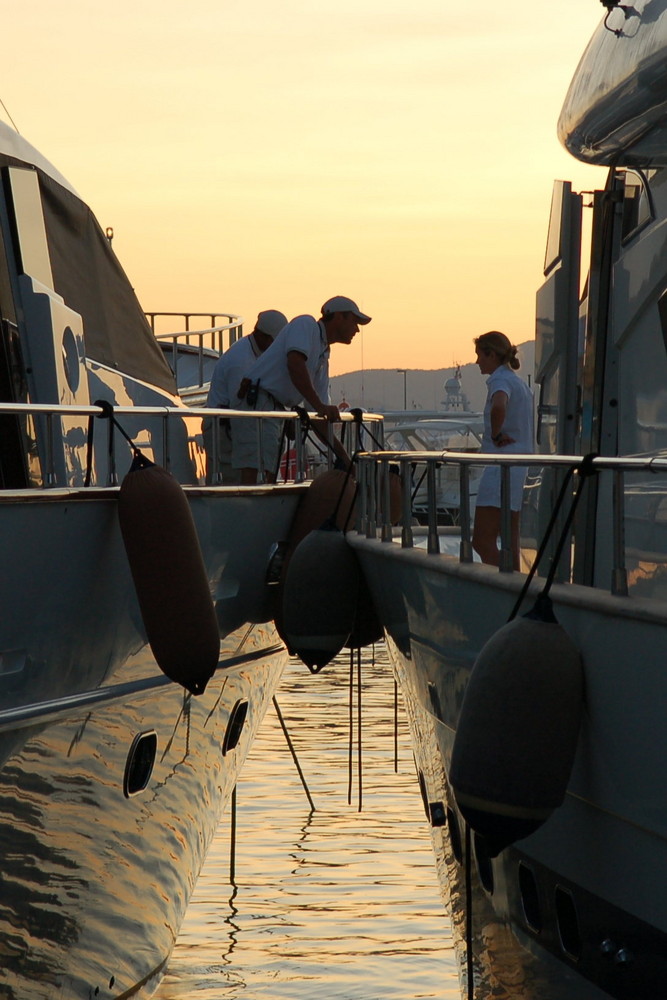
{"type": "Point", "coordinates": [518, 423]}
{"type": "Point", "coordinates": [307, 336]}
{"type": "Point", "coordinates": [228, 372]}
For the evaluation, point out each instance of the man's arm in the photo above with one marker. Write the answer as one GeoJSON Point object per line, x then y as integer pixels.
{"type": "Point", "coordinates": [302, 382]}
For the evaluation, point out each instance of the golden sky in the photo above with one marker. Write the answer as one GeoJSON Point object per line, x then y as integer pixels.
{"type": "Point", "coordinates": [254, 155]}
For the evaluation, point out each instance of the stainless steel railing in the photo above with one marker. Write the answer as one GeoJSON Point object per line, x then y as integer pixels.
{"type": "Point", "coordinates": [205, 344]}
{"type": "Point", "coordinates": [165, 433]}
{"type": "Point", "coordinates": [375, 518]}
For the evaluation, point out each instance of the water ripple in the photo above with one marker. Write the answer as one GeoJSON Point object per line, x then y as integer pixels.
{"type": "Point", "coordinates": [336, 903]}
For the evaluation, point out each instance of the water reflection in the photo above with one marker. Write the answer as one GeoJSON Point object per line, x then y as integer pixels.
{"type": "Point", "coordinates": [331, 903]}
{"type": "Point", "coordinates": [94, 883]}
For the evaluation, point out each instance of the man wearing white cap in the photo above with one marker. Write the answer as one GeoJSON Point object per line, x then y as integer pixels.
{"type": "Point", "coordinates": [294, 370]}
{"type": "Point", "coordinates": [227, 374]}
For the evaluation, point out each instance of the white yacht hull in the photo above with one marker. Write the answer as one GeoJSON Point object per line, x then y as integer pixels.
{"type": "Point", "coordinates": [577, 909]}
{"type": "Point", "coordinates": [95, 878]}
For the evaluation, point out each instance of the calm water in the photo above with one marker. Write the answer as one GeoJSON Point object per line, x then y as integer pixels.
{"type": "Point", "coordinates": [332, 903]}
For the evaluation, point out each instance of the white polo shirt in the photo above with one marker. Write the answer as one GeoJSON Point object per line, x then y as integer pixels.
{"type": "Point", "coordinates": [229, 370]}
{"type": "Point", "coordinates": [518, 423]}
{"type": "Point", "coordinates": [307, 336]}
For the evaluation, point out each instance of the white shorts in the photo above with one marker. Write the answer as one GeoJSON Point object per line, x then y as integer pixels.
{"type": "Point", "coordinates": [224, 452]}
{"type": "Point", "coordinates": [488, 493]}
{"type": "Point", "coordinates": [250, 437]}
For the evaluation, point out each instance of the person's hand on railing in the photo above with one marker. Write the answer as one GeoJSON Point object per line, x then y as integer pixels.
{"type": "Point", "coordinates": [329, 412]}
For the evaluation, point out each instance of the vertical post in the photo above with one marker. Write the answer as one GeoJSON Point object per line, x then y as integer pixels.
{"type": "Point", "coordinates": [50, 477]}
{"type": "Point", "coordinates": [359, 729]}
{"type": "Point", "coordinates": [165, 441]}
{"type": "Point", "coordinates": [403, 372]}
{"type": "Point", "coordinates": [200, 360]}
{"type": "Point", "coordinates": [363, 466]}
{"type": "Point", "coordinates": [386, 502]}
{"type": "Point", "coordinates": [232, 846]}
{"type": "Point", "coordinates": [407, 539]}
{"type": "Point", "coordinates": [433, 545]}
{"type": "Point", "coordinates": [619, 576]}
{"type": "Point", "coordinates": [465, 548]}
{"type": "Point", "coordinates": [371, 522]}
{"type": "Point", "coordinates": [300, 452]}
{"type": "Point", "coordinates": [112, 475]}
{"type": "Point", "coordinates": [216, 475]}
{"type": "Point", "coordinates": [505, 562]}
{"type": "Point", "coordinates": [261, 476]}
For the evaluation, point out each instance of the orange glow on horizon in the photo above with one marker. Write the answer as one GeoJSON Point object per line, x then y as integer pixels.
{"type": "Point", "coordinates": [271, 157]}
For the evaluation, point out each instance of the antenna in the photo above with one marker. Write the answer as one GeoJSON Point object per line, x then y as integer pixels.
{"type": "Point", "coordinates": [6, 110]}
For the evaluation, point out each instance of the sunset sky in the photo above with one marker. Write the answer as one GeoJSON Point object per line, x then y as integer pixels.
{"type": "Point", "coordinates": [270, 155]}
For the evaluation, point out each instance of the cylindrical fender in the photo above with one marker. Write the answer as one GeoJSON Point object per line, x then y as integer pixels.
{"type": "Point", "coordinates": [366, 628]}
{"type": "Point", "coordinates": [517, 733]}
{"type": "Point", "coordinates": [320, 597]}
{"type": "Point", "coordinates": [169, 575]}
{"type": "Point", "coordinates": [331, 492]}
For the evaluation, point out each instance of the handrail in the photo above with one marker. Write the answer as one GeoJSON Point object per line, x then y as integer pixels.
{"type": "Point", "coordinates": [52, 419]}
{"type": "Point", "coordinates": [209, 341]}
{"type": "Point", "coordinates": [374, 468]}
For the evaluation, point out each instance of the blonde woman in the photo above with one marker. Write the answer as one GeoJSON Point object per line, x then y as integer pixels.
{"type": "Point", "coordinates": [508, 427]}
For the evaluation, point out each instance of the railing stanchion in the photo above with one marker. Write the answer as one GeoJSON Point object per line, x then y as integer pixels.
{"type": "Point", "coordinates": [371, 521]}
{"type": "Point", "coordinates": [387, 534]}
{"type": "Point", "coordinates": [465, 548]}
{"type": "Point", "coordinates": [433, 546]}
{"type": "Point", "coordinates": [112, 474]}
{"type": "Point", "coordinates": [363, 466]}
{"type": "Point", "coordinates": [300, 452]}
{"type": "Point", "coordinates": [261, 475]}
{"type": "Point", "coordinates": [51, 479]}
{"type": "Point", "coordinates": [506, 563]}
{"type": "Point", "coordinates": [407, 539]}
{"type": "Point", "coordinates": [216, 475]}
{"type": "Point", "coordinates": [166, 442]}
{"type": "Point", "coordinates": [619, 577]}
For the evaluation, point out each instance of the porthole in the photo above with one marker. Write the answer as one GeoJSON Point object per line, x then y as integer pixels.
{"type": "Point", "coordinates": [139, 764]}
{"type": "Point", "coordinates": [71, 362]}
{"type": "Point", "coordinates": [568, 922]}
{"type": "Point", "coordinates": [436, 814]}
{"type": "Point", "coordinates": [235, 726]}
{"type": "Point", "coordinates": [530, 898]}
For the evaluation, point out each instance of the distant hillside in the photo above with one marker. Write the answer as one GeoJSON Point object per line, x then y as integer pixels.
{"type": "Point", "coordinates": [381, 389]}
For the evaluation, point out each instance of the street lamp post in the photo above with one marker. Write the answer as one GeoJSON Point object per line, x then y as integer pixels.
{"type": "Point", "coordinates": [403, 372]}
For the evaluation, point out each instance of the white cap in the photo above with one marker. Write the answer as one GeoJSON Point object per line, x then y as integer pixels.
{"type": "Point", "coordinates": [340, 303]}
{"type": "Point", "coordinates": [271, 322]}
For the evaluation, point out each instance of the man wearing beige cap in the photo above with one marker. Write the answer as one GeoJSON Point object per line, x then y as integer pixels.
{"type": "Point", "coordinates": [227, 374]}
{"type": "Point", "coordinates": [294, 370]}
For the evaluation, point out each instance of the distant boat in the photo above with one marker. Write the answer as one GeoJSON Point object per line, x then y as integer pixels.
{"type": "Point", "coordinates": [437, 435]}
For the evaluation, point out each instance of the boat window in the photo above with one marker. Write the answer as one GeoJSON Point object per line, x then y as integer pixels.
{"type": "Point", "coordinates": [558, 216]}
{"type": "Point", "coordinates": [637, 208]}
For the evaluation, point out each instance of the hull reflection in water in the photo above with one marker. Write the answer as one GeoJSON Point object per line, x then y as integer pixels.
{"type": "Point", "coordinates": [334, 904]}
{"type": "Point", "coordinates": [96, 881]}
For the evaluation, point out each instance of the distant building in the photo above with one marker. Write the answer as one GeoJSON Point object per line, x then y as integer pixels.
{"type": "Point", "coordinates": [455, 400]}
